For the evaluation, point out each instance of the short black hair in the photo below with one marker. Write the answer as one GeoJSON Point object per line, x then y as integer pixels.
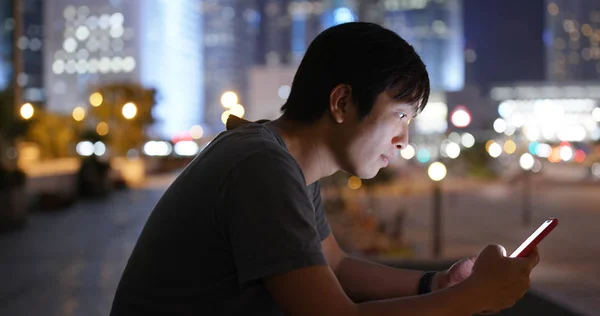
{"type": "Point", "coordinates": [369, 58]}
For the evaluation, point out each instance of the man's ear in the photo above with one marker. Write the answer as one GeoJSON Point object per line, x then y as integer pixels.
{"type": "Point", "coordinates": [340, 100]}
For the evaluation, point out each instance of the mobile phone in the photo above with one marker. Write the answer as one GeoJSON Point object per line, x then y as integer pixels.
{"type": "Point", "coordinates": [530, 243]}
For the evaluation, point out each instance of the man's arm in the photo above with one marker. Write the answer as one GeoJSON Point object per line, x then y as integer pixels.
{"type": "Point", "coordinates": [316, 291]}
{"type": "Point", "coordinates": [497, 283]}
{"type": "Point", "coordinates": [366, 281]}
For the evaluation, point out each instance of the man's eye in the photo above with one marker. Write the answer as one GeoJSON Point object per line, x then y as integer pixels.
{"type": "Point", "coordinates": [401, 115]}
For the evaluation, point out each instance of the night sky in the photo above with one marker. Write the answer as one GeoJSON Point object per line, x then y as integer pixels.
{"type": "Point", "coordinates": [507, 37]}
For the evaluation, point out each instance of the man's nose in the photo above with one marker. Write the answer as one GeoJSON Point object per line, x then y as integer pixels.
{"type": "Point", "coordinates": [401, 141]}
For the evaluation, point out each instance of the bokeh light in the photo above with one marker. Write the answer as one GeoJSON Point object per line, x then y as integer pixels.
{"type": "Point", "coordinates": [186, 148]}
{"type": "Point", "coordinates": [102, 128]}
{"type": "Point", "coordinates": [129, 110]}
{"type": "Point", "coordinates": [566, 153]}
{"type": "Point", "coordinates": [579, 156]}
{"type": "Point", "coordinates": [27, 111]}
{"type": "Point", "coordinates": [196, 132]}
{"type": "Point", "coordinates": [229, 99]}
{"type": "Point", "coordinates": [423, 155]}
{"type": "Point", "coordinates": [85, 148]}
{"type": "Point", "coordinates": [453, 150]}
{"type": "Point", "coordinates": [500, 125]}
{"type": "Point", "coordinates": [495, 150]}
{"type": "Point", "coordinates": [99, 148]}
{"type": "Point", "coordinates": [510, 147]}
{"type": "Point", "coordinates": [543, 150]}
{"type": "Point", "coordinates": [596, 114]}
{"type": "Point", "coordinates": [78, 114]}
{"type": "Point", "coordinates": [237, 110]}
{"type": "Point", "coordinates": [526, 161]}
{"type": "Point", "coordinates": [468, 140]}
{"type": "Point", "coordinates": [225, 116]}
{"type": "Point", "coordinates": [460, 117]}
{"type": "Point", "coordinates": [408, 152]}
{"type": "Point", "coordinates": [96, 99]}
{"type": "Point", "coordinates": [354, 183]}
{"type": "Point", "coordinates": [437, 171]}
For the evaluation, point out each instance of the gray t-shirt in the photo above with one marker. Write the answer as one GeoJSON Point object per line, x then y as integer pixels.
{"type": "Point", "coordinates": [239, 212]}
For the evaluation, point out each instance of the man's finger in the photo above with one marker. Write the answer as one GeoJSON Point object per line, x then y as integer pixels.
{"type": "Point", "coordinates": [534, 258]}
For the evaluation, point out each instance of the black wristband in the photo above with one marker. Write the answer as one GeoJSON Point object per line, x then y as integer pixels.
{"type": "Point", "coordinates": [425, 282]}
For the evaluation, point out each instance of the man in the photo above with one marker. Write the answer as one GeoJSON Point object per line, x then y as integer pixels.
{"type": "Point", "coordinates": [242, 231]}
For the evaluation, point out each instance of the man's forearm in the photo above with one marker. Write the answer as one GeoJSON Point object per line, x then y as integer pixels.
{"type": "Point", "coordinates": [366, 281]}
{"type": "Point", "coordinates": [460, 300]}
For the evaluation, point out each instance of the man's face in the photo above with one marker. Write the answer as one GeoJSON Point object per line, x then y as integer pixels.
{"type": "Point", "coordinates": [367, 145]}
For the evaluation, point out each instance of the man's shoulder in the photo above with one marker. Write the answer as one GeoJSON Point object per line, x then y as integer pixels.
{"type": "Point", "coordinates": [252, 144]}
{"type": "Point", "coordinates": [251, 139]}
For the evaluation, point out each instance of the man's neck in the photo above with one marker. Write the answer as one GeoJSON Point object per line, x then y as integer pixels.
{"type": "Point", "coordinates": [309, 146]}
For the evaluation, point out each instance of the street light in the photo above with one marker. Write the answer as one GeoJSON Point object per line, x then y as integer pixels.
{"type": "Point", "coordinates": [27, 111]}
{"type": "Point", "coordinates": [437, 172]}
{"type": "Point", "coordinates": [129, 110]}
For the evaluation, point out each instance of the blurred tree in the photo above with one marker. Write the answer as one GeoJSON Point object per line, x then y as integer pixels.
{"type": "Point", "coordinates": [126, 109]}
{"type": "Point", "coordinates": [11, 127]}
{"type": "Point", "coordinates": [54, 133]}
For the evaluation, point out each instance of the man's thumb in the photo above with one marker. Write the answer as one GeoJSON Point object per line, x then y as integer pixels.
{"type": "Point", "coordinates": [496, 249]}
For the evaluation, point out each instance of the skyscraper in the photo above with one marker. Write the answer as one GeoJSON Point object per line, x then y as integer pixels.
{"type": "Point", "coordinates": [30, 43]}
{"type": "Point", "coordinates": [29, 46]}
{"type": "Point", "coordinates": [7, 26]}
{"type": "Point", "coordinates": [572, 38]}
{"type": "Point", "coordinates": [231, 28]}
{"type": "Point", "coordinates": [306, 25]}
{"type": "Point", "coordinates": [435, 29]}
{"type": "Point", "coordinates": [152, 42]}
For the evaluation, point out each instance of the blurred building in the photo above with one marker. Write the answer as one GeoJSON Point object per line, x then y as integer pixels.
{"type": "Point", "coordinates": [306, 24]}
{"type": "Point", "coordinates": [572, 39]}
{"type": "Point", "coordinates": [154, 43]}
{"type": "Point", "coordinates": [29, 45]}
{"type": "Point", "coordinates": [274, 41]}
{"type": "Point", "coordinates": [287, 27]}
{"type": "Point", "coordinates": [6, 36]}
{"type": "Point", "coordinates": [549, 112]}
{"type": "Point", "coordinates": [435, 29]}
{"type": "Point", "coordinates": [230, 29]}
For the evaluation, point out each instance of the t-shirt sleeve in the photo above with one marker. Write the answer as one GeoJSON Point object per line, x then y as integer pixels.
{"type": "Point", "coordinates": [270, 217]}
{"type": "Point", "coordinates": [320, 218]}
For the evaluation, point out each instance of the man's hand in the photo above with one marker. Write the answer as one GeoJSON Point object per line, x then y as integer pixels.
{"type": "Point", "coordinates": [454, 275]}
{"type": "Point", "coordinates": [501, 281]}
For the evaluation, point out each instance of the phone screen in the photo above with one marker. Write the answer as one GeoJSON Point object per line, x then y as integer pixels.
{"type": "Point", "coordinates": [536, 237]}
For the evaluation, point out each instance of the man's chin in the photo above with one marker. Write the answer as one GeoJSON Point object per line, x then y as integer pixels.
{"type": "Point", "coordinates": [370, 174]}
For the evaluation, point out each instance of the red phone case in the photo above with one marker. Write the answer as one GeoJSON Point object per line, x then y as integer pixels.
{"type": "Point", "coordinates": [534, 239]}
